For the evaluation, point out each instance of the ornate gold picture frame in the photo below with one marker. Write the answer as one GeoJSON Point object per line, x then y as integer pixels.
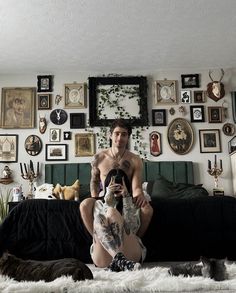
{"type": "Point", "coordinates": [75, 95]}
{"type": "Point", "coordinates": [84, 144]}
{"type": "Point", "coordinates": [165, 92]}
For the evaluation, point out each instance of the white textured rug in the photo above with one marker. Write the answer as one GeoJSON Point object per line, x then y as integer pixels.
{"type": "Point", "coordinates": [154, 279]}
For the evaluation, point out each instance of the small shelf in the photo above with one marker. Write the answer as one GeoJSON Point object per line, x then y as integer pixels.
{"type": "Point", "coordinates": [6, 180]}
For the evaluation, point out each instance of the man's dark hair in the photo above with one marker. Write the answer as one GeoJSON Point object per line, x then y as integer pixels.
{"type": "Point", "coordinates": [121, 123]}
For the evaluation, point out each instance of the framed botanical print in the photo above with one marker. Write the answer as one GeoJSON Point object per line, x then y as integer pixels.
{"type": "Point", "coordinates": [209, 140]}
{"type": "Point", "coordinates": [180, 136]}
{"type": "Point", "coordinates": [18, 107]}
{"type": "Point", "coordinates": [118, 97]}
{"type": "Point", "coordinates": [8, 148]}
{"type": "Point", "coordinates": [165, 92]}
{"type": "Point", "coordinates": [45, 83]}
{"type": "Point", "coordinates": [159, 117]}
{"type": "Point", "coordinates": [44, 101]}
{"type": "Point", "coordinates": [75, 95]}
{"type": "Point", "coordinates": [84, 144]}
{"type": "Point", "coordinates": [197, 113]}
{"type": "Point", "coordinates": [56, 152]}
{"type": "Point", "coordinates": [190, 80]}
{"type": "Point", "coordinates": [215, 114]}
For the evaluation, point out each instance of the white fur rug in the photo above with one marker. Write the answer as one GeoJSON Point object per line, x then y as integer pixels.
{"type": "Point", "coordinates": [154, 279]}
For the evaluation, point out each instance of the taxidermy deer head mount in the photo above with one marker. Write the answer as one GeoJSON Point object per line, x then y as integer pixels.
{"type": "Point", "coordinates": [42, 124]}
{"type": "Point", "coordinates": [215, 89]}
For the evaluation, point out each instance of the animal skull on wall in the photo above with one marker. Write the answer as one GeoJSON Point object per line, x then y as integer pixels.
{"type": "Point", "coordinates": [215, 89]}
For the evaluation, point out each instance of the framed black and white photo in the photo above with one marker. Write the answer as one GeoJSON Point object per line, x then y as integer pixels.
{"type": "Point", "coordinates": [8, 148]}
{"type": "Point", "coordinates": [45, 83]}
{"type": "Point", "coordinates": [209, 140]}
{"type": "Point", "coordinates": [185, 97]}
{"type": "Point", "coordinates": [56, 152]}
{"type": "Point", "coordinates": [197, 113]}
{"type": "Point", "coordinates": [159, 117]}
{"type": "Point", "coordinates": [190, 80]}
{"type": "Point", "coordinates": [75, 95]}
{"type": "Point", "coordinates": [118, 97]}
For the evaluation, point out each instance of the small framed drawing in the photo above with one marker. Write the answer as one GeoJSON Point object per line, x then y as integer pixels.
{"type": "Point", "coordinates": [232, 145]}
{"type": "Point", "coordinates": [44, 101]}
{"type": "Point", "coordinates": [199, 96]}
{"type": "Point", "coordinates": [9, 148]}
{"type": "Point", "coordinates": [45, 83]}
{"type": "Point", "coordinates": [67, 135]}
{"type": "Point", "coordinates": [215, 114]}
{"type": "Point", "coordinates": [185, 97]}
{"type": "Point", "coordinates": [75, 95]}
{"type": "Point", "coordinates": [77, 120]}
{"type": "Point", "coordinates": [228, 129]}
{"type": "Point", "coordinates": [155, 143]}
{"type": "Point", "coordinates": [165, 92]}
{"type": "Point", "coordinates": [84, 144]}
{"type": "Point", "coordinates": [18, 107]}
{"type": "Point", "coordinates": [56, 152]}
{"type": "Point", "coordinates": [190, 80]}
{"type": "Point", "coordinates": [159, 117]}
{"type": "Point", "coordinates": [197, 113]}
{"type": "Point", "coordinates": [180, 136]}
{"type": "Point", "coordinates": [209, 140]}
{"type": "Point", "coordinates": [55, 135]}
{"type": "Point", "coordinates": [33, 145]}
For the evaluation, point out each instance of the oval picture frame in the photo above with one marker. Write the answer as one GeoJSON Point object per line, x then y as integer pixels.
{"type": "Point", "coordinates": [180, 136]}
{"type": "Point", "coordinates": [33, 145]}
{"type": "Point", "coordinates": [228, 129]}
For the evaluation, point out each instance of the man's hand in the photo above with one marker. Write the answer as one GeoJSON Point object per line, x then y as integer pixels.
{"type": "Point", "coordinates": [140, 200]}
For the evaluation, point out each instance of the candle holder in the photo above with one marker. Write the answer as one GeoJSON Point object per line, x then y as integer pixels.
{"type": "Point", "coordinates": [215, 172]}
{"type": "Point", "coordinates": [29, 174]}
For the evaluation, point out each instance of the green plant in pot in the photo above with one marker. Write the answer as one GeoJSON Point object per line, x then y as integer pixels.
{"type": "Point", "coordinates": [4, 200]}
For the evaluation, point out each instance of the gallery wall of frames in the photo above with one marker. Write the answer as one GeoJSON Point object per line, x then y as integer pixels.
{"type": "Point", "coordinates": [65, 117]}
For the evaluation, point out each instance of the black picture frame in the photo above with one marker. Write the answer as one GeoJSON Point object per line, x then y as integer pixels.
{"type": "Point", "coordinates": [210, 141]}
{"type": "Point", "coordinates": [215, 114]}
{"type": "Point", "coordinates": [197, 113]}
{"type": "Point", "coordinates": [45, 83]}
{"type": "Point", "coordinates": [44, 101]}
{"type": "Point", "coordinates": [103, 89]}
{"type": "Point", "coordinates": [232, 145]}
{"type": "Point", "coordinates": [159, 117]}
{"type": "Point", "coordinates": [56, 152]}
{"type": "Point", "coordinates": [77, 120]}
{"type": "Point", "coordinates": [190, 80]}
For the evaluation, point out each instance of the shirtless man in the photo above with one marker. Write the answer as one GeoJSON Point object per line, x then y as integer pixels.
{"type": "Point", "coordinates": [117, 157]}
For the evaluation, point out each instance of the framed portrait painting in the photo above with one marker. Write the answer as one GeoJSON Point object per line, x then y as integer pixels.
{"type": "Point", "coordinates": [33, 145]}
{"type": "Point", "coordinates": [75, 95]}
{"type": "Point", "coordinates": [8, 148]}
{"type": "Point", "coordinates": [118, 97]}
{"type": "Point", "coordinates": [159, 117]}
{"type": "Point", "coordinates": [209, 140]}
{"type": "Point", "coordinates": [56, 152]}
{"type": "Point", "coordinates": [18, 107]}
{"type": "Point", "coordinates": [180, 136]}
{"type": "Point", "coordinates": [165, 92]}
{"type": "Point", "coordinates": [84, 144]}
{"type": "Point", "coordinates": [155, 143]}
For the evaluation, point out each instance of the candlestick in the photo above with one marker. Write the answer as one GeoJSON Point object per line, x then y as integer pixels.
{"type": "Point", "coordinates": [21, 169]}
{"type": "Point", "coordinates": [215, 172]}
{"type": "Point", "coordinates": [38, 168]}
{"type": "Point", "coordinates": [215, 161]}
{"type": "Point", "coordinates": [221, 164]}
{"type": "Point", "coordinates": [25, 168]}
{"type": "Point", "coordinates": [209, 164]}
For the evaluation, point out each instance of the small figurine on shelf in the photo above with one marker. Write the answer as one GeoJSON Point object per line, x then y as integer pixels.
{"type": "Point", "coordinates": [6, 172]}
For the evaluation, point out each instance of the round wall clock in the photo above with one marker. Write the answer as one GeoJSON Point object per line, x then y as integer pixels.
{"type": "Point", "coordinates": [33, 145]}
{"type": "Point", "coordinates": [58, 116]}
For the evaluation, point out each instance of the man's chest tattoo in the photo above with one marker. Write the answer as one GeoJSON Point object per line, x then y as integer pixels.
{"type": "Point", "coordinates": [125, 165]}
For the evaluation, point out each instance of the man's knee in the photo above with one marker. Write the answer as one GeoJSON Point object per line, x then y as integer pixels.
{"type": "Point", "coordinates": [147, 210]}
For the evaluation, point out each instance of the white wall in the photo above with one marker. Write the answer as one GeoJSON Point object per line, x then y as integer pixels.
{"type": "Point", "coordinates": [200, 159]}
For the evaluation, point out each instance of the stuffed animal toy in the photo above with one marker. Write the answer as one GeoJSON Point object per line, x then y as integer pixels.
{"type": "Point", "coordinates": [67, 192]}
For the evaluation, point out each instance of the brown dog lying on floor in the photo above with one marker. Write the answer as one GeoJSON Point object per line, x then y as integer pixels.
{"type": "Point", "coordinates": [34, 270]}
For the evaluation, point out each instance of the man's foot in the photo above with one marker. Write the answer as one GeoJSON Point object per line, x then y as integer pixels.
{"type": "Point", "coordinates": [121, 263]}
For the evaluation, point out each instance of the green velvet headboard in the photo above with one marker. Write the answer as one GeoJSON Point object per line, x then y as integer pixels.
{"type": "Point", "coordinates": [66, 174]}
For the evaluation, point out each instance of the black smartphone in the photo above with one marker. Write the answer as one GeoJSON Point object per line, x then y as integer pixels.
{"type": "Point", "coordinates": [118, 179]}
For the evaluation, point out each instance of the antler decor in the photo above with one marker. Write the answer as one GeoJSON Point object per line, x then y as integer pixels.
{"type": "Point", "coordinates": [215, 89]}
{"type": "Point", "coordinates": [29, 174]}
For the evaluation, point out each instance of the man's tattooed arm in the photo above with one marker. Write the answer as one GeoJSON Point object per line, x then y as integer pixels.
{"type": "Point", "coordinates": [95, 178]}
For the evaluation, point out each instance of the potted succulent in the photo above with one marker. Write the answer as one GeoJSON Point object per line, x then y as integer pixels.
{"type": "Point", "coordinates": [4, 200]}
